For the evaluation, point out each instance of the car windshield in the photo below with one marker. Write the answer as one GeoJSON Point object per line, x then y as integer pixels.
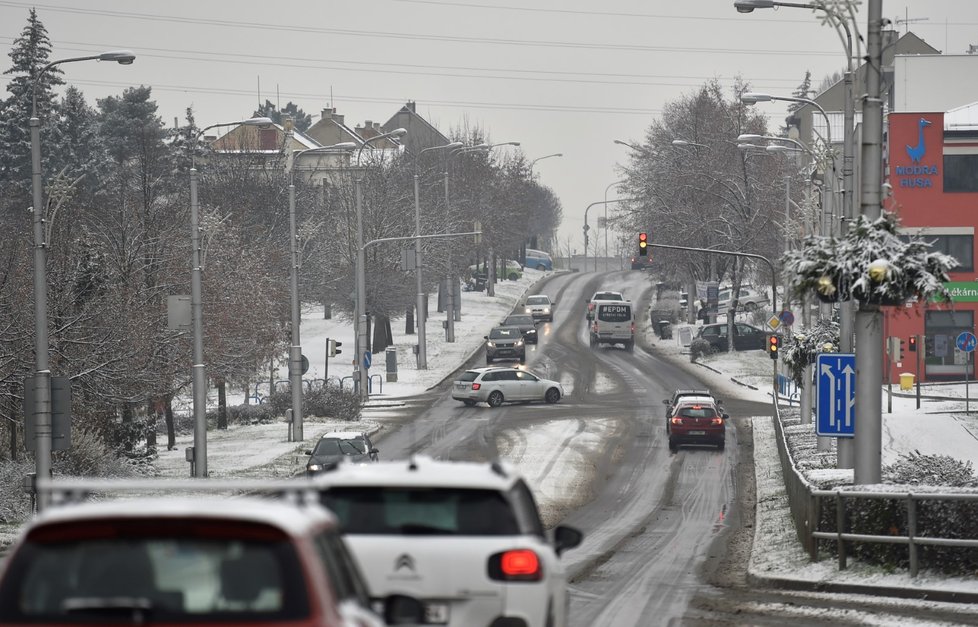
{"type": "Point", "coordinates": [339, 446]}
{"type": "Point", "coordinates": [517, 321]}
{"type": "Point", "coordinates": [607, 296]}
{"type": "Point", "coordinates": [504, 334]}
{"type": "Point", "coordinates": [538, 300]}
{"type": "Point", "coordinates": [421, 511]}
{"type": "Point", "coordinates": [200, 571]}
{"type": "Point", "coordinates": [697, 411]}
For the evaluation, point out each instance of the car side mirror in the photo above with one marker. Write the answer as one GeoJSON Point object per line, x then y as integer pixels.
{"type": "Point", "coordinates": [726, 416]}
{"type": "Point", "coordinates": [308, 451]}
{"type": "Point", "coordinates": [566, 538]}
{"type": "Point", "coordinates": [374, 451]}
{"type": "Point", "coordinates": [485, 337]}
{"type": "Point", "coordinates": [665, 401]}
{"type": "Point", "coordinates": [401, 609]}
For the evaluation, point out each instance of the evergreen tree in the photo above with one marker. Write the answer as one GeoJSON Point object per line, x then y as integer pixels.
{"type": "Point", "coordinates": [804, 90]}
{"type": "Point", "coordinates": [30, 53]}
{"type": "Point", "coordinates": [76, 146]}
{"type": "Point", "coordinates": [302, 119]}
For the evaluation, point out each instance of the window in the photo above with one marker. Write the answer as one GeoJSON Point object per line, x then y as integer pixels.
{"type": "Point", "coordinates": [468, 375]}
{"type": "Point", "coordinates": [506, 375]}
{"type": "Point", "coordinates": [961, 247]}
{"type": "Point", "coordinates": [504, 334]}
{"type": "Point", "coordinates": [961, 173]}
{"type": "Point", "coordinates": [614, 313]}
{"type": "Point", "coordinates": [538, 300]}
{"type": "Point", "coordinates": [526, 509]}
{"type": "Point", "coordinates": [525, 376]}
{"type": "Point", "coordinates": [345, 578]}
{"type": "Point", "coordinates": [941, 359]}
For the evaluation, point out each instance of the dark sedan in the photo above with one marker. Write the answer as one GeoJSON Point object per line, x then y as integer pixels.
{"type": "Point", "coordinates": [746, 337]}
{"type": "Point", "coordinates": [526, 324]}
{"type": "Point", "coordinates": [337, 446]}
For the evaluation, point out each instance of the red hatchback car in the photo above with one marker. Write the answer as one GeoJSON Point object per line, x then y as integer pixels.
{"type": "Point", "coordinates": [189, 562]}
{"type": "Point", "coordinates": [697, 422]}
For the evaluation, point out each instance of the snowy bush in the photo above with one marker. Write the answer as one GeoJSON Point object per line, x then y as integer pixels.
{"type": "Point", "coordinates": [247, 415]}
{"type": "Point", "coordinates": [800, 349]}
{"type": "Point", "coordinates": [699, 348]}
{"type": "Point", "coordinates": [870, 264]}
{"type": "Point", "coordinates": [325, 402]}
{"type": "Point", "coordinates": [15, 505]}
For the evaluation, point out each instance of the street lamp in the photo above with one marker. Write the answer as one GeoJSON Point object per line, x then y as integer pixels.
{"type": "Point", "coordinates": [295, 349]}
{"type": "Point", "coordinates": [530, 167]}
{"type": "Point", "coordinates": [683, 142]}
{"type": "Point", "coordinates": [450, 278]}
{"type": "Point", "coordinates": [846, 456]}
{"type": "Point", "coordinates": [422, 319]}
{"type": "Point", "coordinates": [42, 374]}
{"type": "Point", "coordinates": [360, 314]}
{"type": "Point", "coordinates": [198, 379]}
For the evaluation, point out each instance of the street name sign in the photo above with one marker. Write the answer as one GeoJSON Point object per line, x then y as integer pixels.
{"type": "Point", "coordinates": [836, 379]}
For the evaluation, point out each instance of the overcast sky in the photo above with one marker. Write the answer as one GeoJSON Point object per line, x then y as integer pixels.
{"type": "Point", "coordinates": [564, 76]}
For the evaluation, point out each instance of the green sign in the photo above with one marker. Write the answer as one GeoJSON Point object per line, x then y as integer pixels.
{"type": "Point", "coordinates": [963, 291]}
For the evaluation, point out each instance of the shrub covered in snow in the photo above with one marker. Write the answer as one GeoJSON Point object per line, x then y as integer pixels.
{"type": "Point", "coordinates": [800, 349]}
{"type": "Point", "coordinates": [699, 348]}
{"type": "Point", "coordinates": [870, 264]}
{"type": "Point", "coordinates": [326, 402]}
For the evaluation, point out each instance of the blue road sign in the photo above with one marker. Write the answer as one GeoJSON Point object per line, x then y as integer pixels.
{"type": "Point", "coordinates": [836, 379]}
{"type": "Point", "coordinates": [787, 318]}
{"type": "Point", "coordinates": [966, 342]}
{"type": "Point", "coordinates": [367, 359]}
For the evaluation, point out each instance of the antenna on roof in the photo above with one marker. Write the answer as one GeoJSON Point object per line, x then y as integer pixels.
{"type": "Point", "coordinates": [908, 20]}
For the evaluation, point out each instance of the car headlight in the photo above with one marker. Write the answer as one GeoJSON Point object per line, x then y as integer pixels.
{"type": "Point", "coordinates": [491, 344]}
{"type": "Point", "coordinates": [546, 310]}
{"type": "Point", "coordinates": [519, 342]}
{"type": "Point", "coordinates": [314, 467]}
{"type": "Point", "coordinates": [528, 310]}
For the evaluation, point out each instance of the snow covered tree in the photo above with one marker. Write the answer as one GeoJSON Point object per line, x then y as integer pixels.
{"type": "Point", "coordinates": [31, 51]}
{"type": "Point", "coordinates": [300, 118]}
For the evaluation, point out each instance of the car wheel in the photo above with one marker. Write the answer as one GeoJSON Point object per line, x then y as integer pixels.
{"type": "Point", "coordinates": [552, 395]}
{"type": "Point", "coordinates": [750, 307]}
{"type": "Point", "coordinates": [721, 445]}
{"type": "Point", "coordinates": [630, 346]}
{"type": "Point", "coordinates": [673, 447]}
{"type": "Point", "coordinates": [523, 358]}
{"type": "Point", "coordinates": [542, 268]}
{"type": "Point", "coordinates": [469, 402]}
{"type": "Point", "coordinates": [495, 399]}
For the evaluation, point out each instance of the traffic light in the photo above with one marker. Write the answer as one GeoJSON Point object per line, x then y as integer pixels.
{"type": "Point", "coordinates": [643, 244]}
{"type": "Point", "coordinates": [913, 343]}
{"type": "Point", "coordinates": [773, 345]}
{"type": "Point", "coordinates": [333, 347]}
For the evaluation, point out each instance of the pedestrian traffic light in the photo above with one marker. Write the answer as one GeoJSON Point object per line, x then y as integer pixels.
{"type": "Point", "coordinates": [913, 343]}
{"type": "Point", "coordinates": [773, 345]}
{"type": "Point", "coordinates": [333, 347]}
{"type": "Point", "coordinates": [643, 244]}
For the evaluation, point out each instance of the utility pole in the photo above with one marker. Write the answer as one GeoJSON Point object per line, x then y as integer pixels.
{"type": "Point", "coordinates": [868, 325]}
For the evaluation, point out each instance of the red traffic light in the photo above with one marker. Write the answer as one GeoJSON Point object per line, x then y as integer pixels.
{"type": "Point", "coordinates": [773, 344]}
{"type": "Point", "coordinates": [643, 237]}
{"type": "Point", "coordinates": [643, 244]}
{"type": "Point", "coordinates": [913, 343]}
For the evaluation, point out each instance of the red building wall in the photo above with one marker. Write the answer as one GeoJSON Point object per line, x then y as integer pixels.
{"type": "Point", "coordinates": [915, 172]}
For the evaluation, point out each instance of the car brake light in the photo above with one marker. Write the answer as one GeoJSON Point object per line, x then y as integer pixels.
{"type": "Point", "coordinates": [677, 420]}
{"type": "Point", "coordinates": [716, 421]}
{"type": "Point", "coordinates": [476, 386]}
{"type": "Point", "coordinates": [515, 565]}
{"type": "Point", "coordinates": [697, 407]}
{"type": "Point", "coordinates": [633, 328]}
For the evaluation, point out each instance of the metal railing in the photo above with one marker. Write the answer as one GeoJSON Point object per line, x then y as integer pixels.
{"type": "Point", "coordinates": [806, 504]}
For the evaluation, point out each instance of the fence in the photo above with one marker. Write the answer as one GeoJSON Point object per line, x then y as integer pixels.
{"type": "Point", "coordinates": [806, 502]}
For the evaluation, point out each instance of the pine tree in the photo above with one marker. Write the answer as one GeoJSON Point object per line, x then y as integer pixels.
{"type": "Point", "coordinates": [301, 119]}
{"type": "Point", "coordinates": [76, 146]}
{"type": "Point", "coordinates": [802, 91]}
{"type": "Point", "coordinates": [30, 53]}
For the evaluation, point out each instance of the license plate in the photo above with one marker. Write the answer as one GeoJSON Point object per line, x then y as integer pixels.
{"type": "Point", "coordinates": [436, 613]}
{"type": "Point", "coordinates": [697, 433]}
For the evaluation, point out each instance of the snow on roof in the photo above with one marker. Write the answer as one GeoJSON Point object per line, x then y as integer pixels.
{"type": "Point", "coordinates": [426, 472]}
{"type": "Point", "coordinates": [963, 118]}
{"type": "Point", "coordinates": [343, 435]}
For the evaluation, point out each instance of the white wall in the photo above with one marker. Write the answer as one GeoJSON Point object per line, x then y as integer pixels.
{"type": "Point", "coordinates": [934, 82]}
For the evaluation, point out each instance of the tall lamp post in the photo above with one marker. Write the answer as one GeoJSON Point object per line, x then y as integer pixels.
{"type": "Point", "coordinates": [530, 167]}
{"type": "Point", "coordinates": [295, 349]}
{"type": "Point", "coordinates": [421, 316]}
{"type": "Point", "coordinates": [361, 283]}
{"type": "Point", "coordinates": [198, 379]}
{"type": "Point", "coordinates": [42, 369]}
{"type": "Point", "coordinates": [847, 312]}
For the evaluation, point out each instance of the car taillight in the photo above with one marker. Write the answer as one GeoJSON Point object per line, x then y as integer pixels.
{"type": "Point", "coordinates": [633, 327]}
{"type": "Point", "coordinates": [515, 565]}
{"type": "Point", "coordinates": [716, 421]}
{"type": "Point", "coordinates": [595, 327]}
{"type": "Point", "coordinates": [476, 386]}
{"type": "Point", "coordinates": [677, 420]}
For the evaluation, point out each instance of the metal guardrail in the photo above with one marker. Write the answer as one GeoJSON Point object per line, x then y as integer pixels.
{"type": "Point", "coordinates": [805, 503]}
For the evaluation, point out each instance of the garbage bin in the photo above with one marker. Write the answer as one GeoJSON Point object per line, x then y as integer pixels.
{"type": "Point", "coordinates": [390, 355]}
{"type": "Point", "coordinates": [906, 381]}
{"type": "Point", "coordinates": [665, 329]}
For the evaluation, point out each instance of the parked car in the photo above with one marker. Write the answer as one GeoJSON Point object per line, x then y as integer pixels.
{"type": "Point", "coordinates": [746, 337]}
{"type": "Point", "coordinates": [539, 260]}
{"type": "Point", "coordinates": [612, 322]}
{"type": "Point", "coordinates": [496, 386]}
{"type": "Point", "coordinates": [606, 295]}
{"type": "Point", "coordinates": [505, 343]}
{"type": "Point", "coordinates": [526, 324]}
{"type": "Point", "coordinates": [465, 538]}
{"type": "Point", "coordinates": [540, 307]}
{"type": "Point", "coordinates": [514, 271]}
{"type": "Point", "coordinates": [696, 421]}
{"type": "Point", "coordinates": [748, 300]}
{"type": "Point", "coordinates": [169, 561]}
{"type": "Point", "coordinates": [337, 446]}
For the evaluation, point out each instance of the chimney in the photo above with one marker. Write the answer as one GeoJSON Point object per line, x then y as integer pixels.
{"type": "Point", "coordinates": [328, 112]}
{"type": "Point", "coordinates": [410, 106]}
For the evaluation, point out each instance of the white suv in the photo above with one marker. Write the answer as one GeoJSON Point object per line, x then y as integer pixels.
{"type": "Point", "coordinates": [464, 538]}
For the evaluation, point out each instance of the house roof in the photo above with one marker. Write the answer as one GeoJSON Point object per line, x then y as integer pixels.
{"type": "Point", "coordinates": [963, 118]}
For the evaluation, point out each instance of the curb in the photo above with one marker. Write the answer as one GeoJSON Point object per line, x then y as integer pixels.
{"type": "Point", "coordinates": [928, 594]}
{"type": "Point", "coordinates": [746, 385]}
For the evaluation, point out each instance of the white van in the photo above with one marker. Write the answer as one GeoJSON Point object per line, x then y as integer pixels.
{"type": "Point", "coordinates": [613, 322]}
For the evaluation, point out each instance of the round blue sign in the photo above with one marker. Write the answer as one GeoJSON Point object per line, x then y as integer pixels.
{"type": "Point", "coordinates": [787, 318]}
{"type": "Point", "coordinates": [966, 342]}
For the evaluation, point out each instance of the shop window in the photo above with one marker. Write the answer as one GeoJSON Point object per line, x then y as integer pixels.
{"type": "Point", "coordinates": [941, 359]}
{"type": "Point", "coordinates": [961, 173]}
{"type": "Point", "coordinates": [961, 247]}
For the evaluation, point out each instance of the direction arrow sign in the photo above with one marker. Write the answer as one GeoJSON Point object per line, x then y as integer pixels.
{"type": "Point", "coordinates": [367, 359]}
{"type": "Point", "coordinates": [836, 378]}
{"type": "Point", "coordinates": [966, 342]}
